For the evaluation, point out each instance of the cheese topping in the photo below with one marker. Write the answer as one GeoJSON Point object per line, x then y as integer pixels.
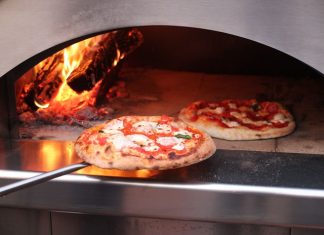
{"type": "Point", "coordinates": [145, 135]}
{"type": "Point", "coordinates": [219, 110]}
{"type": "Point", "coordinates": [231, 123]}
{"type": "Point", "coordinates": [114, 126]}
{"type": "Point", "coordinates": [163, 128]}
{"type": "Point", "coordinates": [145, 127]}
{"type": "Point", "coordinates": [179, 146]}
{"type": "Point", "coordinates": [176, 143]}
{"type": "Point", "coordinates": [119, 141]}
{"type": "Point", "coordinates": [143, 141]}
{"type": "Point", "coordinates": [279, 117]}
{"type": "Point", "coordinates": [257, 123]}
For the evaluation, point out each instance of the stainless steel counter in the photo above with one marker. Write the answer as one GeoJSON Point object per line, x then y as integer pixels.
{"type": "Point", "coordinates": [232, 186]}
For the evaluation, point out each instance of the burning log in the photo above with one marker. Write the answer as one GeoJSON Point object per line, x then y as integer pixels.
{"type": "Point", "coordinates": [39, 91]}
{"type": "Point", "coordinates": [48, 80]}
{"type": "Point", "coordinates": [109, 52]}
{"type": "Point", "coordinates": [71, 86]}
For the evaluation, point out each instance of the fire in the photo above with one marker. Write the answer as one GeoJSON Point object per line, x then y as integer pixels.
{"type": "Point", "coordinates": [72, 57]}
{"type": "Point", "coordinates": [75, 84]}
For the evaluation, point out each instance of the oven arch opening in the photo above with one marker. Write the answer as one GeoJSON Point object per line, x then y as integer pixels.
{"type": "Point", "coordinates": [187, 59]}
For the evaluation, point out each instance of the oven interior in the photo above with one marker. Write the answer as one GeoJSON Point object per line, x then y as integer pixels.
{"type": "Point", "coordinates": [169, 68]}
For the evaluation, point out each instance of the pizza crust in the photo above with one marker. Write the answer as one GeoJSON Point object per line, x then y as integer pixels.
{"type": "Point", "coordinates": [108, 157]}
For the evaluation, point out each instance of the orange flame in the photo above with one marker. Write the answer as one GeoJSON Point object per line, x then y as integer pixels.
{"type": "Point", "coordinates": [72, 57]}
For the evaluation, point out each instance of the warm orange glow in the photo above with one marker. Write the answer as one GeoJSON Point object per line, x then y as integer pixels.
{"type": "Point", "coordinates": [72, 57]}
{"type": "Point", "coordinates": [41, 105]}
{"type": "Point", "coordinates": [92, 170]}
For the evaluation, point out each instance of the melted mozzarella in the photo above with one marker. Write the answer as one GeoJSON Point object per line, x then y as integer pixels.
{"type": "Point", "coordinates": [257, 123]}
{"type": "Point", "coordinates": [231, 123]}
{"type": "Point", "coordinates": [163, 128]}
{"type": "Point", "coordinates": [179, 146]}
{"type": "Point", "coordinates": [219, 110]}
{"type": "Point", "coordinates": [279, 117]}
{"type": "Point", "coordinates": [178, 143]}
{"type": "Point", "coordinates": [119, 141]}
{"type": "Point", "coordinates": [167, 141]}
{"type": "Point", "coordinates": [143, 142]}
{"type": "Point", "coordinates": [145, 127]}
{"type": "Point", "coordinates": [139, 139]}
{"type": "Point", "coordinates": [114, 126]}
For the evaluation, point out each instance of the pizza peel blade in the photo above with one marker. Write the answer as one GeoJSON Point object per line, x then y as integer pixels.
{"type": "Point", "coordinates": [43, 177]}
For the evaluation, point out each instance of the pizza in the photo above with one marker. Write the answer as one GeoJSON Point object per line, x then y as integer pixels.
{"type": "Point", "coordinates": [144, 142]}
{"type": "Point", "coordinates": [239, 119]}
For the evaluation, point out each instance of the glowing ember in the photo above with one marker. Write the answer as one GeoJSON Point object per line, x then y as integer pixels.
{"type": "Point", "coordinates": [74, 84]}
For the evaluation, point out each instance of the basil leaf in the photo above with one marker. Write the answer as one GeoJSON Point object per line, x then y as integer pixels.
{"type": "Point", "coordinates": [188, 137]}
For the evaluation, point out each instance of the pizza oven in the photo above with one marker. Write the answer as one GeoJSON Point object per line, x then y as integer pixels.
{"type": "Point", "coordinates": [66, 66]}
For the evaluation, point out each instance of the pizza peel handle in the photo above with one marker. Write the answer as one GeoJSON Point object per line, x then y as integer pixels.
{"type": "Point", "coordinates": [10, 188]}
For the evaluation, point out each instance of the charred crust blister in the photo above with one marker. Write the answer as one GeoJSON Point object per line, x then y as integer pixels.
{"type": "Point", "coordinates": [172, 155]}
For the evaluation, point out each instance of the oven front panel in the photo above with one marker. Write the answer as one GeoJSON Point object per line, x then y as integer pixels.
{"type": "Point", "coordinates": [233, 186]}
{"type": "Point", "coordinates": [291, 26]}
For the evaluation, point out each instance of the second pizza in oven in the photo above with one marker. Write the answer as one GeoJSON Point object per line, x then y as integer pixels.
{"type": "Point", "coordinates": [239, 119]}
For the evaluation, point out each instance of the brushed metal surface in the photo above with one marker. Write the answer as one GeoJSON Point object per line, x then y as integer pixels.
{"type": "Point", "coordinates": [232, 186]}
{"type": "Point", "coordinates": [41, 178]}
{"type": "Point", "coordinates": [29, 27]}
{"type": "Point", "coordinates": [24, 222]}
{"type": "Point", "coordinates": [306, 231]}
{"type": "Point", "coordinates": [78, 224]}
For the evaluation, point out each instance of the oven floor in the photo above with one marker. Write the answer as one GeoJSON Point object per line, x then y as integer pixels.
{"type": "Point", "coordinates": [166, 92]}
{"type": "Point", "coordinates": [226, 166]}
{"type": "Point", "coordinates": [232, 186]}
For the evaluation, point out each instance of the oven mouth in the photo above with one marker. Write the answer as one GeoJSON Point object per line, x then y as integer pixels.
{"type": "Point", "coordinates": [165, 73]}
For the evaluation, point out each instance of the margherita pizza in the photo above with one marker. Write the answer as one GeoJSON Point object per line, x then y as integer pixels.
{"type": "Point", "coordinates": [144, 142]}
{"type": "Point", "coordinates": [239, 119]}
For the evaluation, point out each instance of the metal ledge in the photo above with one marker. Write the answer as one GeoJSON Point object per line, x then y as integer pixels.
{"type": "Point", "coordinates": [232, 186]}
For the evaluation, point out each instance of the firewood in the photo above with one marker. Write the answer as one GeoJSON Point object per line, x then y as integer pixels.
{"type": "Point", "coordinates": [91, 70]}
{"type": "Point", "coordinates": [48, 81]}
{"type": "Point", "coordinates": [107, 82]}
{"type": "Point", "coordinates": [45, 85]}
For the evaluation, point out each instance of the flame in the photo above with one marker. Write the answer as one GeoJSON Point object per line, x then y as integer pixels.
{"type": "Point", "coordinates": [72, 57]}
{"type": "Point", "coordinates": [43, 106]}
